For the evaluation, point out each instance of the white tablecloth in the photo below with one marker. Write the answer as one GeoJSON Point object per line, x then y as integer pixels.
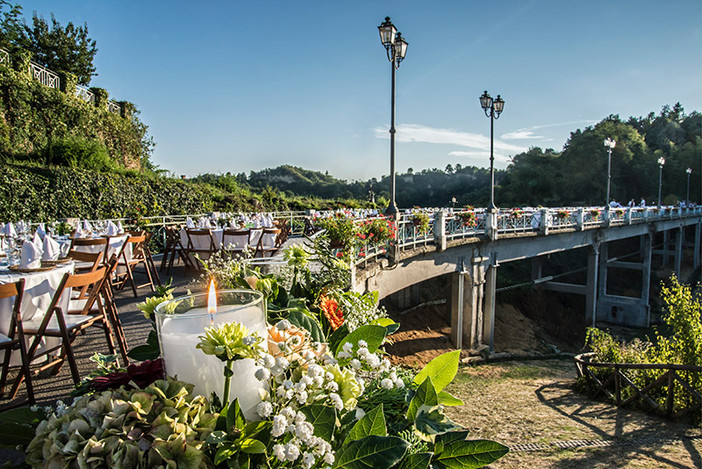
{"type": "Point", "coordinates": [201, 242]}
{"type": "Point", "coordinates": [39, 289]}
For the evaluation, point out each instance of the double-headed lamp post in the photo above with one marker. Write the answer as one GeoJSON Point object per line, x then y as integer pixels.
{"type": "Point", "coordinates": [493, 108]}
{"type": "Point", "coordinates": [687, 199]}
{"type": "Point", "coordinates": [610, 144]}
{"type": "Point", "coordinates": [661, 162]}
{"type": "Point", "coordinates": [396, 48]}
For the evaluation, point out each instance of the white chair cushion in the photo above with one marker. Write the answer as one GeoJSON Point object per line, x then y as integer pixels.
{"type": "Point", "coordinates": [71, 320]}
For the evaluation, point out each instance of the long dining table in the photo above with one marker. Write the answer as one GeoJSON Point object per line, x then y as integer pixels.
{"type": "Point", "coordinates": [39, 289]}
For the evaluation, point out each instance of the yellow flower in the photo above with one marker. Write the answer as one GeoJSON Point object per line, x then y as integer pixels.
{"type": "Point", "coordinates": [229, 341]}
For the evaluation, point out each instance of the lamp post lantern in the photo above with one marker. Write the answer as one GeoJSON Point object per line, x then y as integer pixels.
{"type": "Point", "coordinates": [687, 199]}
{"type": "Point", "coordinates": [610, 144]}
{"type": "Point", "coordinates": [396, 48]}
{"type": "Point", "coordinates": [493, 108]}
{"type": "Point", "coordinates": [661, 162]}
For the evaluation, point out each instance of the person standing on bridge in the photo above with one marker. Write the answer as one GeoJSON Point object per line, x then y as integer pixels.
{"type": "Point", "coordinates": [642, 204]}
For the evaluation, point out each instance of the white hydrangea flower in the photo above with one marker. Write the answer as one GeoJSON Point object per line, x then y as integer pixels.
{"type": "Point", "coordinates": [262, 374]}
{"type": "Point", "coordinates": [399, 384]}
{"type": "Point", "coordinates": [343, 355]}
{"type": "Point", "coordinates": [362, 343]}
{"type": "Point", "coordinates": [292, 451]}
{"type": "Point", "coordinates": [386, 383]}
{"type": "Point", "coordinates": [314, 370]}
{"type": "Point", "coordinates": [329, 458]}
{"type": "Point", "coordinates": [347, 347]}
{"type": "Point", "coordinates": [302, 397]}
{"type": "Point", "coordinates": [282, 362]}
{"type": "Point", "coordinates": [336, 401]}
{"type": "Point", "coordinates": [307, 460]}
{"type": "Point", "coordinates": [264, 409]}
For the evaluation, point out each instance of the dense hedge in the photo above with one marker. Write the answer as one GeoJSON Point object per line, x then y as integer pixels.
{"type": "Point", "coordinates": [43, 194]}
{"type": "Point", "coordinates": [32, 116]}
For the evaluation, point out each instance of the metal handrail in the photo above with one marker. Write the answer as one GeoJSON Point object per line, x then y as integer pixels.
{"type": "Point", "coordinates": [45, 76]}
{"type": "Point", "coordinates": [85, 94]}
{"type": "Point", "coordinates": [4, 57]}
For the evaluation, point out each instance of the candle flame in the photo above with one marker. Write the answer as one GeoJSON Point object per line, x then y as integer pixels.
{"type": "Point", "coordinates": [211, 301]}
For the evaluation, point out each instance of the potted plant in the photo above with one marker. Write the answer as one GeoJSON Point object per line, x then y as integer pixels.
{"type": "Point", "coordinates": [595, 213]}
{"type": "Point", "coordinates": [467, 218]}
{"type": "Point", "coordinates": [516, 213]}
{"type": "Point", "coordinates": [562, 214]}
{"type": "Point", "coordinates": [421, 221]}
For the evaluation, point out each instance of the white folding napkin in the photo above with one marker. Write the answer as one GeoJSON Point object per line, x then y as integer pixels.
{"type": "Point", "coordinates": [9, 229]}
{"type": "Point", "coordinates": [31, 256]}
{"type": "Point", "coordinates": [87, 227]}
{"type": "Point", "coordinates": [111, 229]}
{"type": "Point", "coordinates": [65, 248]}
{"type": "Point", "coordinates": [78, 233]}
{"type": "Point", "coordinates": [119, 227]}
{"type": "Point", "coordinates": [41, 230]}
{"type": "Point", "coordinates": [36, 239]}
{"type": "Point", "coordinates": [189, 223]}
{"type": "Point", "coordinates": [52, 249]}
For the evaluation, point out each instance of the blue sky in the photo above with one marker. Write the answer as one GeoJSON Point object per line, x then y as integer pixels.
{"type": "Point", "coordinates": [245, 85]}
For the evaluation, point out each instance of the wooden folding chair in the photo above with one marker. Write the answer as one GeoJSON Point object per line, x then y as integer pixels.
{"type": "Point", "coordinates": [127, 263]}
{"type": "Point", "coordinates": [268, 242]}
{"type": "Point", "coordinates": [86, 261]}
{"type": "Point", "coordinates": [91, 245]}
{"type": "Point", "coordinates": [174, 248]}
{"type": "Point", "coordinates": [15, 341]}
{"type": "Point", "coordinates": [200, 243]}
{"type": "Point", "coordinates": [60, 324]}
{"type": "Point", "coordinates": [234, 241]}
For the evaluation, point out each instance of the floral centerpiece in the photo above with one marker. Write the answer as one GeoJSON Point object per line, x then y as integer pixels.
{"type": "Point", "coordinates": [468, 217]}
{"type": "Point", "coordinates": [330, 398]}
{"type": "Point", "coordinates": [562, 214]}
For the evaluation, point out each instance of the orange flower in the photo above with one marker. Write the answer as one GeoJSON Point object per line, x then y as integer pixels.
{"type": "Point", "coordinates": [331, 311]}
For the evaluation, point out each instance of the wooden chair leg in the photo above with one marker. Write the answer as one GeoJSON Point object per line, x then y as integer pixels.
{"type": "Point", "coordinates": [68, 349]}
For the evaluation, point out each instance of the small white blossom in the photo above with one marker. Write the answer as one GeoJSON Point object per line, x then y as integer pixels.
{"type": "Point", "coordinates": [304, 431]}
{"type": "Point", "coordinates": [307, 460]}
{"type": "Point", "coordinates": [343, 355]}
{"type": "Point", "coordinates": [300, 386]}
{"type": "Point", "coordinates": [280, 391]}
{"type": "Point", "coordinates": [362, 343]}
{"type": "Point", "coordinates": [279, 425]}
{"type": "Point", "coordinates": [288, 384]}
{"type": "Point", "coordinates": [318, 381]}
{"type": "Point", "coordinates": [399, 384]}
{"type": "Point", "coordinates": [314, 370]}
{"type": "Point", "coordinates": [262, 374]}
{"type": "Point", "coordinates": [355, 364]}
{"type": "Point", "coordinates": [302, 397]}
{"type": "Point", "coordinates": [289, 413]}
{"type": "Point", "coordinates": [282, 362]}
{"type": "Point", "coordinates": [329, 458]}
{"type": "Point", "coordinates": [362, 352]}
{"type": "Point", "coordinates": [264, 409]}
{"type": "Point", "coordinates": [386, 383]}
{"type": "Point", "coordinates": [283, 325]}
{"type": "Point", "coordinates": [279, 452]}
{"type": "Point", "coordinates": [310, 357]}
{"type": "Point", "coordinates": [336, 401]}
{"type": "Point", "coordinates": [292, 452]}
{"type": "Point", "coordinates": [347, 347]}
{"type": "Point", "coordinates": [277, 370]}
{"type": "Point", "coordinates": [332, 386]}
{"type": "Point", "coordinates": [249, 340]}
{"type": "Point", "coordinates": [268, 360]}
{"type": "Point", "coordinates": [289, 394]}
{"type": "Point", "coordinates": [300, 417]}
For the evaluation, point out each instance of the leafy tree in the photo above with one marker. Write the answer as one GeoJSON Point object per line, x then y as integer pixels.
{"type": "Point", "coordinates": [11, 28]}
{"type": "Point", "coordinates": [61, 49]}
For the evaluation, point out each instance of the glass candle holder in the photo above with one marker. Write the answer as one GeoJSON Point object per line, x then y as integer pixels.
{"type": "Point", "coordinates": [181, 321]}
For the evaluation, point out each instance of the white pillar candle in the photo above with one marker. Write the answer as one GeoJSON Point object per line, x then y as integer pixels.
{"type": "Point", "coordinates": [179, 333]}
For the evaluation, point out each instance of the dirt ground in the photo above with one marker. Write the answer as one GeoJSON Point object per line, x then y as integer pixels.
{"type": "Point", "coordinates": [531, 407]}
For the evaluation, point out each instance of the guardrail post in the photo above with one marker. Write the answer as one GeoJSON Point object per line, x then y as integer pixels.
{"type": "Point", "coordinates": [491, 225]}
{"type": "Point", "coordinates": [606, 218]}
{"type": "Point", "coordinates": [543, 223]}
{"type": "Point", "coordinates": [580, 219]}
{"type": "Point", "coordinates": [440, 230]}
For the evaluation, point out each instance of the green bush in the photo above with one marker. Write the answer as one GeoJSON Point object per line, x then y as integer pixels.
{"type": "Point", "coordinates": [77, 152]}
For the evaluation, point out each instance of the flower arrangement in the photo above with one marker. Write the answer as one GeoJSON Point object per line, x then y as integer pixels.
{"type": "Point", "coordinates": [421, 221]}
{"type": "Point", "coordinates": [516, 213]}
{"type": "Point", "coordinates": [595, 214]}
{"type": "Point", "coordinates": [619, 212]}
{"type": "Point", "coordinates": [468, 218]}
{"type": "Point", "coordinates": [377, 231]}
{"type": "Point", "coordinates": [562, 214]}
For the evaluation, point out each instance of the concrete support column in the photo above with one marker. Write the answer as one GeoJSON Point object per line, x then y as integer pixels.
{"type": "Point", "coordinates": [646, 254]}
{"type": "Point", "coordinates": [491, 225]}
{"type": "Point", "coordinates": [678, 251]}
{"type": "Point", "coordinates": [666, 241]}
{"type": "Point", "coordinates": [698, 235]}
{"type": "Point", "coordinates": [460, 334]}
{"type": "Point", "coordinates": [490, 301]}
{"type": "Point", "coordinates": [592, 286]}
{"type": "Point", "coordinates": [602, 271]}
{"type": "Point", "coordinates": [536, 267]}
{"type": "Point", "coordinates": [440, 230]}
{"type": "Point", "coordinates": [467, 308]}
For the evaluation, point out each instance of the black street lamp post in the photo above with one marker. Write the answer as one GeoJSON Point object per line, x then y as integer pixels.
{"type": "Point", "coordinates": [687, 199]}
{"type": "Point", "coordinates": [493, 108]}
{"type": "Point", "coordinates": [661, 162]}
{"type": "Point", "coordinates": [396, 48]}
{"type": "Point", "coordinates": [609, 143]}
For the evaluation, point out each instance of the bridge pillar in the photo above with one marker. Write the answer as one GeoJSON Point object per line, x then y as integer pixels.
{"type": "Point", "coordinates": [491, 225]}
{"type": "Point", "coordinates": [440, 230]}
{"type": "Point", "coordinates": [466, 304]}
{"type": "Point", "coordinates": [678, 252]}
{"type": "Point", "coordinates": [696, 256]}
{"type": "Point", "coordinates": [537, 267]}
{"type": "Point", "coordinates": [666, 242]}
{"type": "Point", "coordinates": [490, 301]}
{"type": "Point", "coordinates": [593, 256]}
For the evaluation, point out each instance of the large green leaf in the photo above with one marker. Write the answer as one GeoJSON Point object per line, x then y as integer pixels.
{"type": "Point", "coordinates": [373, 335]}
{"type": "Point", "coordinates": [453, 450]}
{"type": "Point", "coordinates": [441, 370]}
{"type": "Point", "coordinates": [322, 417]}
{"type": "Point", "coordinates": [416, 461]}
{"type": "Point", "coordinates": [425, 395]}
{"type": "Point", "coordinates": [447, 399]}
{"type": "Point", "coordinates": [15, 434]}
{"type": "Point", "coordinates": [149, 351]}
{"type": "Point", "coordinates": [373, 423]}
{"type": "Point", "coordinates": [235, 416]}
{"type": "Point", "coordinates": [300, 319]}
{"type": "Point", "coordinates": [376, 452]}
{"type": "Point", "coordinates": [337, 336]}
{"type": "Point", "coordinates": [390, 326]}
{"type": "Point", "coordinates": [431, 421]}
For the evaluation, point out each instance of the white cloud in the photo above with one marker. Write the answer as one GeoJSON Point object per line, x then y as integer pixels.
{"type": "Point", "coordinates": [528, 132]}
{"type": "Point", "coordinates": [520, 134]}
{"type": "Point", "coordinates": [409, 133]}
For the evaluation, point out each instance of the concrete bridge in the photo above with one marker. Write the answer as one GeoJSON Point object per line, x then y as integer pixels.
{"type": "Point", "coordinates": [471, 252]}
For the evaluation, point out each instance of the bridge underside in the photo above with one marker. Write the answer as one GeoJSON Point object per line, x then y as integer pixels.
{"type": "Point", "coordinates": [473, 265]}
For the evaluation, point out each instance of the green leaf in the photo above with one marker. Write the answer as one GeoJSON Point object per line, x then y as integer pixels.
{"type": "Point", "coordinates": [373, 423]}
{"type": "Point", "coordinates": [390, 326]}
{"type": "Point", "coordinates": [373, 335]}
{"type": "Point", "coordinates": [235, 417]}
{"type": "Point", "coordinates": [300, 319]}
{"type": "Point", "coordinates": [22, 415]}
{"type": "Point", "coordinates": [431, 421]}
{"type": "Point", "coordinates": [224, 453]}
{"type": "Point", "coordinates": [416, 461]}
{"type": "Point", "coordinates": [141, 353]}
{"type": "Point", "coordinates": [425, 395]}
{"type": "Point", "coordinates": [453, 451]}
{"type": "Point", "coordinates": [252, 446]}
{"type": "Point", "coordinates": [441, 370]}
{"type": "Point", "coordinates": [376, 452]}
{"type": "Point", "coordinates": [447, 399]}
{"type": "Point", "coordinates": [16, 434]}
{"type": "Point", "coordinates": [337, 336]}
{"type": "Point", "coordinates": [322, 417]}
